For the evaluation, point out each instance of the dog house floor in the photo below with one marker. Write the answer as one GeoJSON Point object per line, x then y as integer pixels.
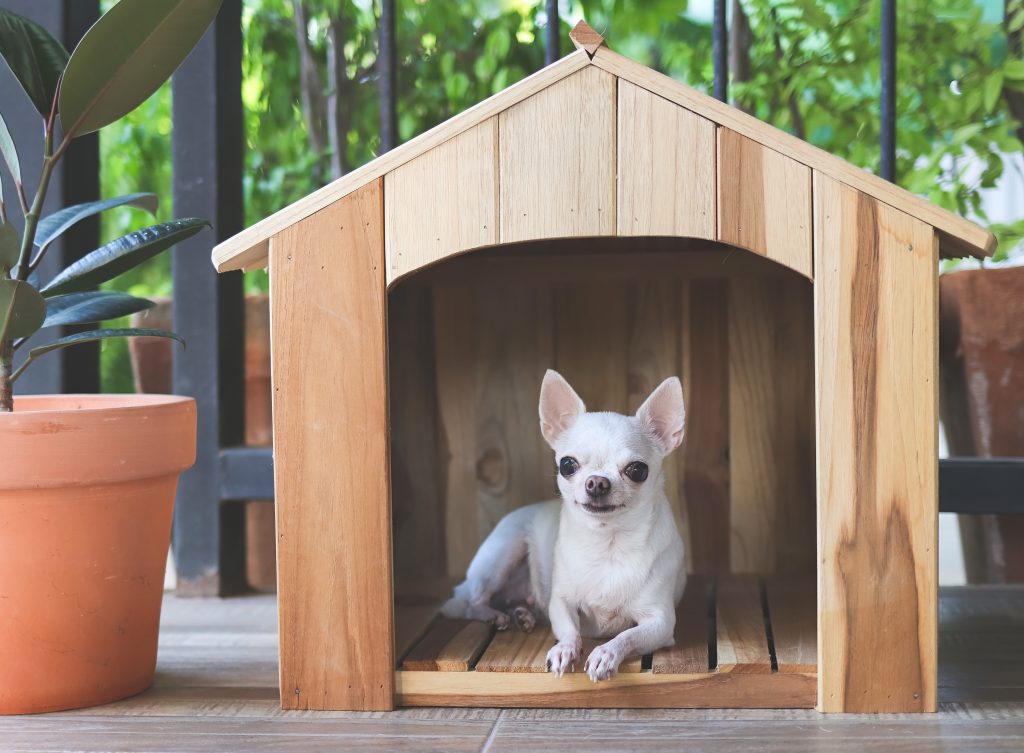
{"type": "Point", "coordinates": [741, 642]}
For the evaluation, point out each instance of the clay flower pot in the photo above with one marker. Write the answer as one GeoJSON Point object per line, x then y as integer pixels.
{"type": "Point", "coordinates": [87, 488]}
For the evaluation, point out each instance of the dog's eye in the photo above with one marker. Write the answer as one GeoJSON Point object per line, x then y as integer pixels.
{"type": "Point", "coordinates": [636, 471]}
{"type": "Point", "coordinates": [568, 466]}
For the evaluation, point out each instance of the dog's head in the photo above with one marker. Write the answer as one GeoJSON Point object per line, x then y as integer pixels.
{"type": "Point", "coordinates": [609, 463]}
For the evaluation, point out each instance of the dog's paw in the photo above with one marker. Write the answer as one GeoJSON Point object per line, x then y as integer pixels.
{"type": "Point", "coordinates": [562, 658]}
{"type": "Point", "coordinates": [524, 619]}
{"type": "Point", "coordinates": [602, 663]}
{"type": "Point", "coordinates": [501, 621]}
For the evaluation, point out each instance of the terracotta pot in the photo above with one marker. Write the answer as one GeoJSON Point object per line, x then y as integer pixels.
{"type": "Point", "coordinates": [87, 488]}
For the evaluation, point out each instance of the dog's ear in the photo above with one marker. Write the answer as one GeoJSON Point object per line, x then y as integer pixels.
{"type": "Point", "coordinates": [560, 406]}
{"type": "Point", "coordinates": [664, 415]}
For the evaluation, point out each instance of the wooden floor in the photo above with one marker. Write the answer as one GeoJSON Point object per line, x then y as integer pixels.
{"type": "Point", "coordinates": [216, 690]}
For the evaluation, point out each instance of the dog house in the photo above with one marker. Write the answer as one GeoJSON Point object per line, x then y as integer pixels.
{"type": "Point", "coordinates": [604, 220]}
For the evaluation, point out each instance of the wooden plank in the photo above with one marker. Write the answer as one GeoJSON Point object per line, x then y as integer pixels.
{"type": "Point", "coordinates": [705, 453]}
{"type": "Point", "coordinates": [449, 646]}
{"type": "Point", "coordinates": [557, 163]}
{"type": "Point", "coordinates": [764, 201]}
{"type": "Point", "coordinates": [442, 202]}
{"type": "Point", "coordinates": [793, 609]}
{"type": "Point", "coordinates": [959, 237]}
{"type": "Point", "coordinates": [411, 624]}
{"type": "Point", "coordinates": [516, 651]}
{"type": "Point", "coordinates": [689, 655]}
{"type": "Point", "coordinates": [493, 343]}
{"type": "Point", "coordinates": [771, 445]}
{"type": "Point", "coordinates": [417, 511]}
{"type": "Point", "coordinates": [666, 167]}
{"type": "Point", "coordinates": [333, 517]}
{"type": "Point", "coordinates": [742, 640]}
{"type": "Point", "coordinates": [875, 331]}
{"type": "Point", "coordinates": [629, 690]}
{"type": "Point", "coordinates": [248, 249]}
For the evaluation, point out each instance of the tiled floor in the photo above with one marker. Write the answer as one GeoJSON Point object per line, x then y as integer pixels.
{"type": "Point", "coordinates": [216, 690]}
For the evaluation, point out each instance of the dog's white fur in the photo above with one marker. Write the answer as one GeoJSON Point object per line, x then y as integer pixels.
{"type": "Point", "coordinates": [618, 572]}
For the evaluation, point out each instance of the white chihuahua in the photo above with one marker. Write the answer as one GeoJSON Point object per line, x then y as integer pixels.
{"type": "Point", "coordinates": [607, 560]}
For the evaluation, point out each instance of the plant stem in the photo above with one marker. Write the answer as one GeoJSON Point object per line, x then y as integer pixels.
{"type": "Point", "coordinates": [6, 385]}
{"type": "Point", "coordinates": [32, 216]}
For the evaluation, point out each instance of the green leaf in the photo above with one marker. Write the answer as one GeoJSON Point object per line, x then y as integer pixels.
{"type": "Point", "coordinates": [88, 337]}
{"type": "Point", "coordinates": [91, 306]}
{"type": "Point", "coordinates": [35, 58]}
{"type": "Point", "coordinates": [126, 56]}
{"type": "Point", "coordinates": [993, 88]}
{"type": "Point", "coordinates": [10, 245]}
{"type": "Point", "coordinates": [52, 226]}
{"type": "Point", "coordinates": [1014, 70]}
{"type": "Point", "coordinates": [121, 255]}
{"type": "Point", "coordinates": [22, 309]}
{"type": "Point", "coordinates": [8, 151]}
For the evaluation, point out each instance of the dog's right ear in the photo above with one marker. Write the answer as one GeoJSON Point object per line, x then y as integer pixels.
{"type": "Point", "coordinates": [560, 406]}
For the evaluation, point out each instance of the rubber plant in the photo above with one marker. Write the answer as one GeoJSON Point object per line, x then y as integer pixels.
{"type": "Point", "coordinates": [125, 57]}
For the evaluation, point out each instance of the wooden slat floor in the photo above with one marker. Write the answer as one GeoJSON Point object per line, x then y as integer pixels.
{"type": "Point", "coordinates": [216, 690]}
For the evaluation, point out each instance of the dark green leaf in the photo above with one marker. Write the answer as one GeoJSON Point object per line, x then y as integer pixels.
{"type": "Point", "coordinates": [88, 337]}
{"type": "Point", "coordinates": [10, 245]}
{"type": "Point", "coordinates": [35, 58]}
{"type": "Point", "coordinates": [121, 255]}
{"type": "Point", "coordinates": [22, 309]}
{"type": "Point", "coordinates": [126, 56]}
{"type": "Point", "coordinates": [8, 151]}
{"type": "Point", "coordinates": [52, 226]}
{"type": "Point", "coordinates": [91, 306]}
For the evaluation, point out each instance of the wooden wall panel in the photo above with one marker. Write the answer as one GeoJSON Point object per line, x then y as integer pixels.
{"type": "Point", "coordinates": [764, 201]}
{"type": "Point", "coordinates": [494, 343]}
{"type": "Point", "coordinates": [443, 201]}
{"type": "Point", "coordinates": [331, 476]}
{"type": "Point", "coordinates": [557, 160]}
{"type": "Point", "coordinates": [771, 432]}
{"type": "Point", "coordinates": [666, 167]}
{"type": "Point", "coordinates": [875, 328]}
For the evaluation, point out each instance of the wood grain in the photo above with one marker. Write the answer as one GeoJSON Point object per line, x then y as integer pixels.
{"type": "Point", "coordinates": [417, 509]}
{"type": "Point", "coordinates": [742, 640]}
{"type": "Point", "coordinates": [764, 201]}
{"type": "Point", "coordinates": [628, 690]}
{"type": "Point", "coordinates": [666, 167]}
{"type": "Point", "coordinates": [689, 655]}
{"type": "Point", "coordinates": [516, 651]}
{"type": "Point", "coordinates": [959, 237]}
{"type": "Point", "coordinates": [792, 604]}
{"type": "Point", "coordinates": [449, 646]}
{"type": "Point", "coordinates": [705, 454]}
{"type": "Point", "coordinates": [333, 517]}
{"type": "Point", "coordinates": [248, 249]}
{"type": "Point", "coordinates": [442, 202]}
{"type": "Point", "coordinates": [557, 163]}
{"type": "Point", "coordinates": [875, 329]}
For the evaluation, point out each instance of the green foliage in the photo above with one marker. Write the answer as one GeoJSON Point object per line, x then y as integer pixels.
{"type": "Point", "coordinates": [119, 62]}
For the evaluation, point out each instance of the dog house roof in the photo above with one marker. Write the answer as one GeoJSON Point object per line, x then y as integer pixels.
{"type": "Point", "coordinates": [957, 236]}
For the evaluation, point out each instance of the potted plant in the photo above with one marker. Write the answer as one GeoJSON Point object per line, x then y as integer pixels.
{"type": "Point", "coordinates": [86, 482]}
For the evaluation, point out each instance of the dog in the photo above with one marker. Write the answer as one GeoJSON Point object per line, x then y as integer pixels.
{"type": "Point", "coordinates": [606, 561]}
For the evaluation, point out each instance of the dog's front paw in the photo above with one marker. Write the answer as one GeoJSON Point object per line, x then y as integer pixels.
{"type": "Point", "coordinates": [563, 657]}
{"type": "Point", "coordinates": [602, 663]}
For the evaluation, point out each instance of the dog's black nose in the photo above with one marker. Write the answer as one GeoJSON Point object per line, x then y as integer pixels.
{"type": "Point", "coordinates": [598, 486]}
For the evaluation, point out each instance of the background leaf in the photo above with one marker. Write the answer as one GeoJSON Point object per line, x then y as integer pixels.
{"type": "Point", "coordinates": [10, 245]}
{"type": "Point", "coordinates": [88, 337]}
{"type": "Point", "coordinates": [91, 306]}
{"type": "Point", "coordinates": [9, 152]}
{"type": "Point", "coordinates": [122, 254]}
{"type": "Point", "coordinates": [21, 307]}
{"type": "Point", "coordinates": [52, 226]}
{"type": "Point", "coordinates": [35, 58]}
{"type": "Point", "coordinates": [126, 56]}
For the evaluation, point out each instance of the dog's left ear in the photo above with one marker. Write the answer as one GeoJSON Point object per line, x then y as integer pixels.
{"type": "Point", "coordinates": [663, 413]}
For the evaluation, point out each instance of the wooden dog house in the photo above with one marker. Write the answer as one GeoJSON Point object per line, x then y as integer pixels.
{"type": "Point", "coordinates": [623, 227]}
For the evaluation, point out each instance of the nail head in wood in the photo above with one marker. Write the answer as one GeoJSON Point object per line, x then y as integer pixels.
{"type": "Point", "coordinates": [584, 37]}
